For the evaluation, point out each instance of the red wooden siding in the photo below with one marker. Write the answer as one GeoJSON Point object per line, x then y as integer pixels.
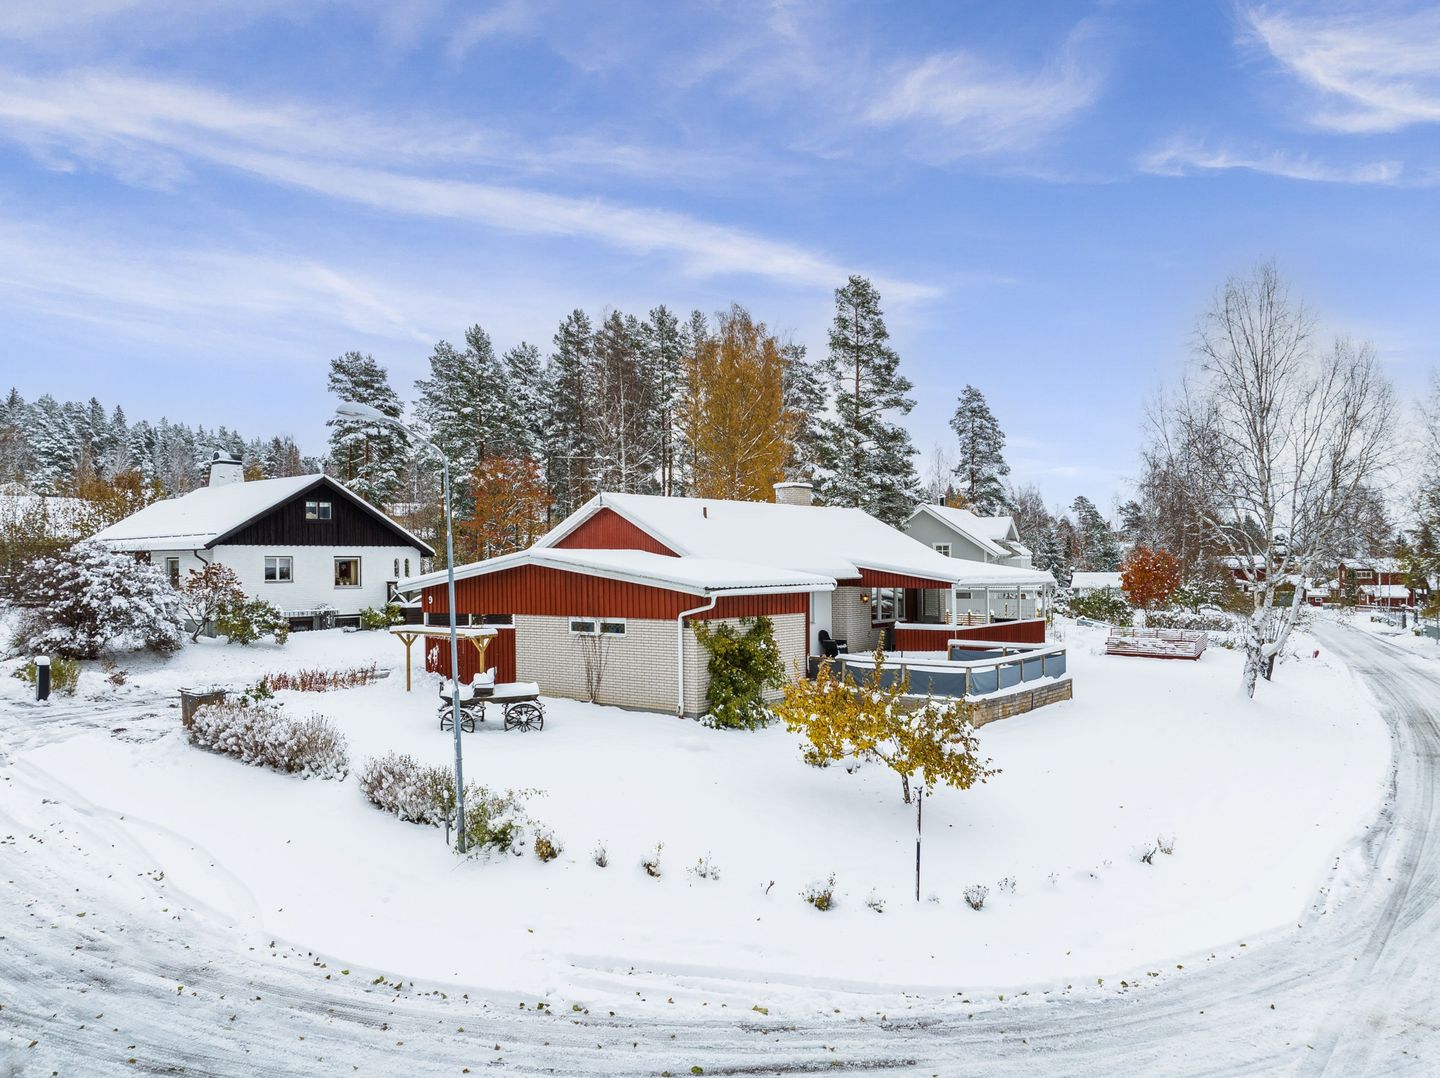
{"type": "Point", "coordinates": [499, 653]}
{"type": "Point", "coordinates": [871, 578]}
{"type": "Point", "coordinates": [608, 530]}
{"type": "Point", "coordinates": [1031, 631]}
{"type": "Point", "coordinates": [542, 590]}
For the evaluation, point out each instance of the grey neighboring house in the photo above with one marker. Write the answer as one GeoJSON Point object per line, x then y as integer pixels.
{"type": "Point", "coordinates": [959, 533]}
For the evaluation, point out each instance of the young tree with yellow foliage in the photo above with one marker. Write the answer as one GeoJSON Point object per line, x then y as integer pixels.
{"type": "Point", "coordinates": [734, 415]}
{"type": "Point", "coordinates": [510, 505]}
{"type": "Point", "coordinates": [929, 742]}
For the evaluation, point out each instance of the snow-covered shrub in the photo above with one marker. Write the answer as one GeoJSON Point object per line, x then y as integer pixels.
{"type": "Point", "coordinates": [1101, 605]}
{"type": "Point", "coordinates": [1007, 885]}
{"type": "Point", "coordinates": [246, 621]}
{"type": "Point", "coordinates": [1147, 853]}
{"type": "Point", "coordinates": [651, 861]}
{"type": "Point", "coordinates": [64, 675]}
{"type": "Point", "coordinates": [402, 785]}
{"type": "Point", "coordinates": [600, 855]}
{"type": "Point", "coordinates": [875, 902]}
{"type": "Point", "coordinates": [495, 822]}
{"type": "Point", "coordinates": [206, 592]}
{"type": "Point", "coordinates": [547, 846]}
{"type": "Point", "coordinates": [705, 869]}
{"type": "Point", "coordinates": [90, 597]}
{"type": "Point", "coordinates": [1165, 843]}
{"type": "Point", "coordinates": [744, 662]}
{"type": "Point", "coordinates": [1188, 619]}
{"type": "Point", "coordinates": [264, 737]}
{"type": "Point", "coordinates": [975, 896]}
{"type": "Point", "coordinates": [821, 895]}
{"type": "Point", "coordinates": [321, 680]}
{"type": "Point", "coordinates": [372, 619]}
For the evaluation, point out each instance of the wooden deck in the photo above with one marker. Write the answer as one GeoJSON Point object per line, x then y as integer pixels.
{"type": "Point", "coordinates": [1157, 643]}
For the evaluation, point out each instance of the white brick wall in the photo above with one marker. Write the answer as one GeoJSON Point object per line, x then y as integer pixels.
{"type": "Point", "coordinates": [638, 669]}
{"type": "Point", "coordinates": [850, 619]}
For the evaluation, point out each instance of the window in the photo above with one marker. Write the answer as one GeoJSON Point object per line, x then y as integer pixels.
{"type": "Point", "coordinates": [1363, 574]}
{"type": "Point", "coordinates": [407, 566]}
{"type": "Point", "coordinates": [317, 510]}
{"type": "Point", "coordinates": [887, 604]}
{"type": "Point", "coordinates": [347, 572]}
{"type": "Point", "coordinates": [595, 627]}
{"type": "Point", "coordinates": [962, 595]}
{"type": "Point", "coordinates": [943, 549]}
{"type": "Point", "coordinates": [172, 570]}
{"type": "Point", "coordinates": [397, 567]}
{"type": "Point", "coordinates": [497, 619]}
{"type": "Point", "coordinates": [278, 571]}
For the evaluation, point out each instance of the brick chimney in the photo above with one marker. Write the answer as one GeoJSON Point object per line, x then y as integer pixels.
{"type": "Point", "coordinates": [794, 494]}
{"type": "Point", "coordinates": [225, 469]}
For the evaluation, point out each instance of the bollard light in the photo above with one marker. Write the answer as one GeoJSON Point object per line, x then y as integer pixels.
{"type": "Point", "coordinates": [42, 677]}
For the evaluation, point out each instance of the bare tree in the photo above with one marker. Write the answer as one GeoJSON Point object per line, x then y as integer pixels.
{"type": "Point", "coordinates": [1276, 445]}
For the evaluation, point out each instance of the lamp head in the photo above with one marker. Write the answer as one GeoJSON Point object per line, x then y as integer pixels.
{"type": "Point", "coordinates": [356, 410]}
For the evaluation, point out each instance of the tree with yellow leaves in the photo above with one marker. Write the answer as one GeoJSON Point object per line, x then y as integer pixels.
{"type": "Point", "coordinates": [510, 505]}
{"type": "Point", "coordinates": [734, 416]}
{"type": "Point", "coordinates": [928, 742]}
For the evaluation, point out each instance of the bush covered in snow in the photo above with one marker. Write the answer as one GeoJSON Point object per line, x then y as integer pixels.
{"type": "Point", "coordinates": [206, 592]}
{"type": "Point", "coordinates": [318, 680]}
{"type": "Point", "coordinates": [264, 737]}
{"type": "Point", "coordinates": [975, 896]}
{"type": "Point", "coordinates": [1101, 605]}
{"type": "Point", "coordinates": [90, 597]}
{"type": "Point", "coordinates": [1187, 619]}
{"type": "Point", "coordinates": [821, 895]}
{"type": "Point", "coordinates": [403, 786]}
{"type": "Point", "coordinates": [246, 621]}
{"type": "Point", "coordinates": [495, 821]}
{"type": "Point", "coordinates": [547, 846]}
{"type": "Point", "coordinates": [372, 619]}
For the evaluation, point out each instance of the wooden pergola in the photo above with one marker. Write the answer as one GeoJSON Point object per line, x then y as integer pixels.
{"type": "Point", "coordinates": [479, 635]}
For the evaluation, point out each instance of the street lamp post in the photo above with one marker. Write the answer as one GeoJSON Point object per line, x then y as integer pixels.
{"type": "Point", "coordinates": [355, 410]}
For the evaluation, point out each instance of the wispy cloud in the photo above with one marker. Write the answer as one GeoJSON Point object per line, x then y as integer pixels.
{"type": "Point", "coordinates": [1370, 72]}
{"type": "Point", "coordinates": [158, 132]}
{"type": "Point", "coordinates": [969, 104]}
{"type": "Point", "coordinates": [1184, 158]}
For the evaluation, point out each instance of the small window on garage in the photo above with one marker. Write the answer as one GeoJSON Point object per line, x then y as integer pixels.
{"type": "Point", "coordinates": [584, 627]}
{"type": "Point", "coordinates": [612, 628]}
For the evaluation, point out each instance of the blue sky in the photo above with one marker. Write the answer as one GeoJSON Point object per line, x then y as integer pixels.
{"type": "Point", "coordinates": [201, 204]}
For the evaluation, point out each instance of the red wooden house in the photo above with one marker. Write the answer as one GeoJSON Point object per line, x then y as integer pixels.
{"type": "Point", "coordinates": [1373, 582]}
{"type": "Point", "coordinates": [602, 606]}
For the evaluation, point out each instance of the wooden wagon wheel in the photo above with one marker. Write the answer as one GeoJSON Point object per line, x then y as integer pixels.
{"type": "Point", "coordinates": [524, 716]}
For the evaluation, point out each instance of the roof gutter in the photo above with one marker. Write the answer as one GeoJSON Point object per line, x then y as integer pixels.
{"type": "Point", "coordinates": [680, 652]}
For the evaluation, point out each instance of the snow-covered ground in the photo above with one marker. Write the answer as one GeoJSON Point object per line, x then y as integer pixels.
{"type": "Point", "coordinates": [1387, 627]}
{"type": "Point", "coordinates": [1258, 797]}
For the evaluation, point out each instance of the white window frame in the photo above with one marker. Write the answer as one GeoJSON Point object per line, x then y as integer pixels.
{"type": "Point", "coordinates": [279, 559]}
{"type": "Point", "coordinates": [336, 571]}
{"type": "Point", "coordinates": [597, 626]}
{"type": "Point", "coordinates": [317, 511]}
{"type": "Point", "coordinates": [172, 571]}
{"type": "Point", "coordinates": [942, 549]}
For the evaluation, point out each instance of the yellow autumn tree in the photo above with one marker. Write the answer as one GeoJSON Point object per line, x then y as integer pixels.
{"type": "Point", "coordinates": [927, 741]}
{"type": "Point", "coordinates": [734, 414]}
{"type": "Point", "coordinates": [510, 505]}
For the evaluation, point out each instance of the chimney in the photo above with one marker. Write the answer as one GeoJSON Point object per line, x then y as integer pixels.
{"type": "Point", "coordinates": [794, 494]}
{"type": "Point", "coordinates": [225, 469]}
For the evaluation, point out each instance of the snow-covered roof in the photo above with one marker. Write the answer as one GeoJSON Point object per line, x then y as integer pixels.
{"type": "Point", "coordinates": [696, 576]}
{"type": "Point", "coordinates": [1377, 565]}
{"type": "Point", "coordinates": [826, 540]}
{"type": "Point", "coordinates": [1095, 581]}
{"type": "Point", "coordinates": [1386, 591]}
{"type": "Point", "coordinates": [197, 520]}
{"type": "Point", "coordinates": [988, 533]}
{"type": "Point", "coordinates": [66, 515]}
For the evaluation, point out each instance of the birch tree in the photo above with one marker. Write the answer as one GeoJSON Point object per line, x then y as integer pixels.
{"type": "Point", "coordinates": [1276, 443]}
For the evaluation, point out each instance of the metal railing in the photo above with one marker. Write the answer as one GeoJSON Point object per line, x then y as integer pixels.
{"type": "Point", "coordinates": [973, 668]}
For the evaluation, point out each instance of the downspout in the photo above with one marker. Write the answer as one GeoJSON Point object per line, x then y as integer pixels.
{"type": "Point", "coordinates": [680, 652]}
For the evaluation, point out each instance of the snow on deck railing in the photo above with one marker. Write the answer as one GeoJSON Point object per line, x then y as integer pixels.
{"type": "Point", "coordinates": [969, 669]}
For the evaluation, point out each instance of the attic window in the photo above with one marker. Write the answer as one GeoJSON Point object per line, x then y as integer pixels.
{"type": "Point", "coordinates": [317, 510]}
{"type": "Point", "coordinates": [943, 549]}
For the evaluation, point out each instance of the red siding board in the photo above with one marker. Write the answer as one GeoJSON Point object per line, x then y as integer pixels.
{"type": "Point", "coordinates": [1031, 631]}
{"type": "Point", "coordinates": [499, 653]}
{"type": "Point", "coordinates": [871, 578]}
{"type": "Point", "coordinates": [542, 590]}
{"type": "Point", "coordinates": [608, 530]}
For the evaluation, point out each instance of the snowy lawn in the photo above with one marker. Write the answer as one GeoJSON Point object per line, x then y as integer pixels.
{"type": "Point", "coordinates": [1424, 647]}
{"type": "Point", "coordinates": [1259, 796]}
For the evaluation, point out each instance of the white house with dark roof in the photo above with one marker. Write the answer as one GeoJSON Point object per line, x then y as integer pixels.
{"type": "Point", "coordinates": [304, 543]}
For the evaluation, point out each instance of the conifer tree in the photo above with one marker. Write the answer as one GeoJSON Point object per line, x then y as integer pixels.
{"type": "Point", "coordinates": [525, 373]}
{"type": "Point", "coordinates": [866, 459]}
{"type": "Point", "coordinates": [804, 391]}
{"type": "Point", "coordinates": [1099, 552]}
{"type": "Point", "coordinates": [52, 447]}
{"type": "Point", "coordinates": [980, 462]}
{"type": "Point", "coordinates": [569, 450]}
{"type": "Point", "coordinates": [367, 457]}
{"type": "Point", "coordinates": [465, 403]}
{"type": "Point", "coordinates": [664, 349]}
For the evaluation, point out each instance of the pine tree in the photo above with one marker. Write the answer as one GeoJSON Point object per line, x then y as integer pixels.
{"type": "Point", "coordinates": [735, 419]}
{"type": "Point", "coordinates": [664, 349]}
{"type": "Point", "coordinates": [866, 459]}
{"type": "Point", "coordinates": [15, 420]}
{"type": "Point", "coordinates": [367, 457]}
{"type": "Point", "coordinates": [980, 463]}
{"type": "Point", "coordinates": [620, 423]}
{"type": "Point", "coordinates": [525, 372]}
{"type": "Point", "coordinates": [465, 403]}
{"type": "Point", "coordinates": [52, 447]}
{"type": "Point", "coordinates": [1098, 550]}
{"type": "Point", "coordinates": [804, 391]}
{"type": "Point", "coordinates": [569, 450]}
